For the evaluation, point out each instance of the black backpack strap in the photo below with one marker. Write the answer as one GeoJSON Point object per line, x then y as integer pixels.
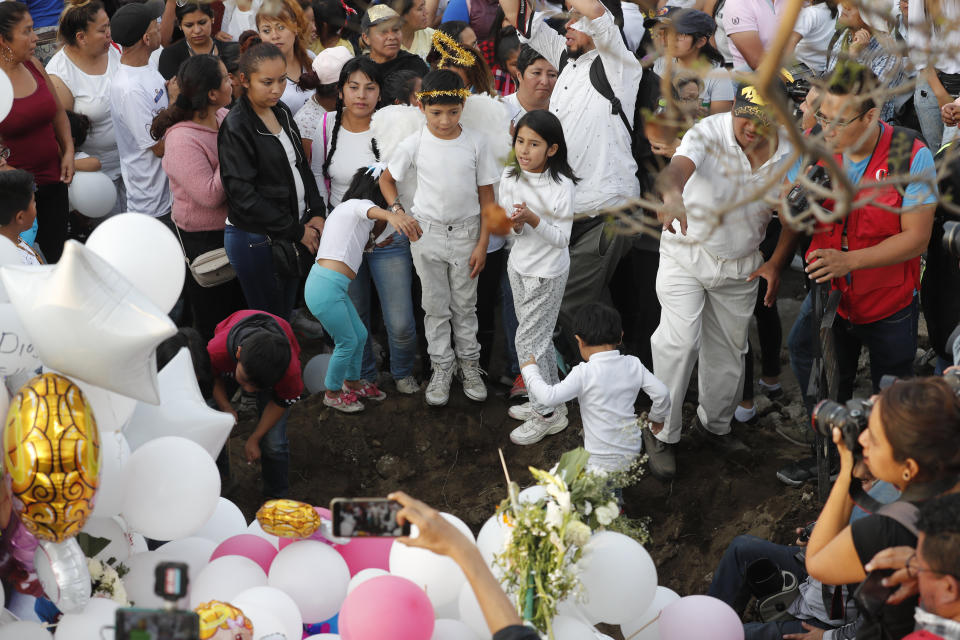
{"type": "Point", "coordinates": [564, 59]}
{"type": "Point", "coordinates": [598, 78]}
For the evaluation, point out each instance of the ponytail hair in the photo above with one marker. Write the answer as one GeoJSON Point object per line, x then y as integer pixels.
{"type": "Point", "coordinates": [198, 76]}
{"type": "Point", "coordinates": [252, 58]}
{"type": "Point", "coordinates": [247, 39]}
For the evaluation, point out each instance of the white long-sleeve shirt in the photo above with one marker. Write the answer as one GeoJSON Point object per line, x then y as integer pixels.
{"type": "Point", "coordinates": [599, 144]}
{"type": "Point", "coordinates": [607, 386]}
{"type": "Point", "coordinates": [542, 251]}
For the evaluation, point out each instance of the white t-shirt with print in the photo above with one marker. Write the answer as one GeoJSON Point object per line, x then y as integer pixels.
{"type": "Point", "coordinates": [448, 173]}
{"type": "Point", "coordinates": [137, 94]}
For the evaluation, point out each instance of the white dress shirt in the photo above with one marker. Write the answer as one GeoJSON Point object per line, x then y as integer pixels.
{"type": "Point", "coordinates": [599, 144]}
{"type": "Point", "coordinates": [607, 386]}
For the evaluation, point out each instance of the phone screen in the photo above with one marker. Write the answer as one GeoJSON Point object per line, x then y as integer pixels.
{"type": "Point", "coordinates": [871, 595]}
{"type": "Point", "coordinates": [367, 517]}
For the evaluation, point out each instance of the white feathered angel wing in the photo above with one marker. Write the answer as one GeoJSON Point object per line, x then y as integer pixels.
{"type": "Point", "coordinates": [392, 124]}
{"type": "Point", "coordinates": [489, 116]}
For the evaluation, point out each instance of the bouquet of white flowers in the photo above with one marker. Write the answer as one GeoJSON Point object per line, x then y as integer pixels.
{"type": "Point", "coordinates": [106, 577]}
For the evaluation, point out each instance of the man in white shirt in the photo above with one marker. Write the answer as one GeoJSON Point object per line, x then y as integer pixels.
{"type": "Point", "coordinates": [599, 143]}
{"type": "Point", "coordinates": [137, 94]}
{"type": "Point", "coordinates": [715, 214]}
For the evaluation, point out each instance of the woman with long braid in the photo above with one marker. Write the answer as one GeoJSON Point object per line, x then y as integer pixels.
{"type": "Point", "coordinates": [343, 143]}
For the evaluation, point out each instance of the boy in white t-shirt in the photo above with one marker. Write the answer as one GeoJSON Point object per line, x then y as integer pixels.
{"type": "Point", "coordinates": [606, 384]}
{"type": "Point", "coordinates": [455, 175]}
{"type": "Point", "coordinates": [18, 210]}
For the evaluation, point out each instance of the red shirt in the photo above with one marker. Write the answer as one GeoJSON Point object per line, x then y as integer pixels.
{"type": "Point", "coordinates": [28, 131]}
{"type": "Point", "coordinates": [223, 361]}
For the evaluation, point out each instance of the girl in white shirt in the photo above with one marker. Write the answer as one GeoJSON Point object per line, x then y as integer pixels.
{"type": "Point", "coordinates": [349, 228]}
{"type": "Point", "coordinates": [538, 192]}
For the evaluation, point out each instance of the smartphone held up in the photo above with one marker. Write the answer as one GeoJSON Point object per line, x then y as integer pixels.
{"type": "Point", "coordinates": [367, 517]}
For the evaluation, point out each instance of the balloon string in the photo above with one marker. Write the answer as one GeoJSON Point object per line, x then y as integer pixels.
{"type": "Point", "coordinates": [640, 630]}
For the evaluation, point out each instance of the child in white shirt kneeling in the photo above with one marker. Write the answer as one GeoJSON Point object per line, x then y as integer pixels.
{"type": "Point", "coordinates": [606, 384]}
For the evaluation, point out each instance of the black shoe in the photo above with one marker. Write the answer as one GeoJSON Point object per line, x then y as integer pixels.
{"type": "Point", "coordinates": [661, 456]}
{"type": "Point", "coordinates": [726, 443]}
{"type": "Point", "coordinates": [797, 473]}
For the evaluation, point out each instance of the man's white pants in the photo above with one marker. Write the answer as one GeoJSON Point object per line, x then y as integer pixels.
{"type": "Point", "coordinates": [707, 303]}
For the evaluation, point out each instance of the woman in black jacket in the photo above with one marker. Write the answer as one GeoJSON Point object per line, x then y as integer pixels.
{"type": "Point", "coordinates": [274, 223]}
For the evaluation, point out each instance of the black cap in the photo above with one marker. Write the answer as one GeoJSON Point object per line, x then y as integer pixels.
{"type": "Point", "coordinates": [693, 22]}
{"type": "Point", "coordinates": [662, 13]}
{"type": "Point", "coordinates": [748, 103]}
{"type": "Point", "coordinates": [132, 20]}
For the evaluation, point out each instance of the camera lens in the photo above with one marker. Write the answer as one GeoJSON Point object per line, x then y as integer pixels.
{"type": "Point", "coordinates": [827, 415]}
{"type": "Point", "coordinates": [951, 238]}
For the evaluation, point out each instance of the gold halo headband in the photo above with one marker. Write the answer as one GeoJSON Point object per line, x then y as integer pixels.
{"type": "Point", "coordinates": [451, 50]}
{"type": "Point", "coordinates": [463, 94]}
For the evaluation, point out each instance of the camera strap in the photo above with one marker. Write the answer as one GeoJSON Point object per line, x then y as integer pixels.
{"type": "Point", "coordinates": [904, 510]}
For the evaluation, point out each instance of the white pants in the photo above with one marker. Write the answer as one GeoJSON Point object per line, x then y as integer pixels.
{"type": "Point", "coordinates": [707, 303]}
{"type": "Point", "coordinates": [442, 259]}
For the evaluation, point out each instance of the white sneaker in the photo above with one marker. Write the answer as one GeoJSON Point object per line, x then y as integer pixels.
{"type": "Point", "coordinates": [537, 427]}
{"type": "Point", "coordinates": [525, 411]}
{"type": "Point", "coordinates": [408, 385]}
{"type": "Point", "coordinates": [469, 373]}
{"type": "Point", "coordinates": [438, 390]}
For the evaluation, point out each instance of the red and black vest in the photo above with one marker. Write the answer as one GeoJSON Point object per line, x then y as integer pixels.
{"type": "Point", "coordinates": [873, 294]}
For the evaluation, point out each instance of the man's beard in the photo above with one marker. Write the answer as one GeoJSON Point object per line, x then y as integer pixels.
{"type": "Point", "coordinates": [574, 53]}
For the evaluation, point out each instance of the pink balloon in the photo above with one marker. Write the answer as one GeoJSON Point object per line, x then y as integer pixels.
{"type": "Point", "coordinates": [248, 546]}
{"type": "Point", "coordinates": [386, 607]}
{"type": "Point", "coordinates": [699, 617]}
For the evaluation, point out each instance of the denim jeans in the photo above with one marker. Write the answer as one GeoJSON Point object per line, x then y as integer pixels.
{"type": "Point", "coordinates": [729, 580]}
{"type": "Point", "coordinates": [252, 259]}
{"type": "Point", "coordinates": [891, 342]}
{"type": "Point", "coordinates": [391, 270]}
{"type": "Point", "coordinates": [327, 298]}
{"type": "Point", "coordinates": [274, 452]}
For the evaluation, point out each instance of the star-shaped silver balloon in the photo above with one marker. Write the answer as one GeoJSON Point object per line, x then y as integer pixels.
{"type": "Point", "coordinates": [182, 411]}
{"type": "Point", "coordinates": [89, 322]}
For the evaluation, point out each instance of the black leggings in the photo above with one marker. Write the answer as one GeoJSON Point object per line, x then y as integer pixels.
{"type": "Point", "coordinates": [769, 328]}
{"type": "Point", "coordinates": [488, 294]}
{"type": "Point", "coordinates": [53, 205]}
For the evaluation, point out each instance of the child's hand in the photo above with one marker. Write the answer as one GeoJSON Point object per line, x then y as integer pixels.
{"type": "Point", "coordinates": [518, 227]}
{"type": "Point", "coordinates": [406, 225]}
{"type": "Point", "coordinates": [478, 259]}
{"type": "Point", "coordinates": [522, 215]}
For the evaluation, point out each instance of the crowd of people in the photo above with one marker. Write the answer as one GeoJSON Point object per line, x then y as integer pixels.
{"type": "Point", "coordinates": [249, 128]}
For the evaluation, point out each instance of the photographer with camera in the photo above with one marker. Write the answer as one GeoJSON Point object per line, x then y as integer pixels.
{"type": "Point", "coordinates": [932, 570]}
{"type": "Point", "coordinates": [908, 436]}
{"type": "Point", "coordinates": [872, 256]}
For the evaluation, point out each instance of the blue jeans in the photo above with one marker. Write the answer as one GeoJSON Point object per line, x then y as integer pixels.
{"type": "Point", "coordinates": [391, 270]}
{"type": "Point", "coordinates": [776, 630]}
{"type": "Point", "coordinates": [729, 580]}
{"type": "Point", "coordinates": [891, 342]}
{"type": "Point", "coordinates": [274, 452]}
{"type": "Point", "coordinates": [252, 259]}
{"type": "Point", "coordinates": [327, 299]}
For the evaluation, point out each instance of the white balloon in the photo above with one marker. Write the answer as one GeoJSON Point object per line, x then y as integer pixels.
{"type": "Point", "coordinates": [314, 575]}
{"type": "Point", "coordinates": [193, 551]}
{"type": "Point", "coordinates": [491, 540]}
{"type": "Point", "coordinates": [275, 602]}
{"type": "Point", "coordinates": [89, 322]}
{"type": "Point", "coordinates": [17, 352]}
{"type": "Point", "coordinates": [182, 411]}
{"type": "Point", "coordinates": [108, 528]}
{"type": "Point", "coordinates": [9, 254]}
{"type": "Point", "coordinates": [6, 96]}
{"type": "Point", "coordinates": [618, 577]}
{"type": "Point", "coordinates": [363, 575]}
{"type": "Point", "coordinates": [4, 399]}
{"type": "Point", "coordinates": [92, 193]}
{"type": "Point", "coordinates": [114, 452]}
{"type": "Point", "coordinates": [112, 410]}
{"type": "Point", "coordinates": [648, 619]}
{"type": "Point", "coordinates": [171, 488]}
{"type": "Point", "coordinates": [266, 624]}
{"type": "Point", "coordinates": [145, 251]}
{"type": "Point", "coordinates": [449, 610]}
{"type": "Point", "coordinates": [24, 631]}
{"type": "Point", "coordinates": [446, 629]}
{"type": "Point", "coordinates": [565, 628]}
{"type": "Point", "coordinates": [470, 612]}
{"type": "Point", "coordinates": [227, 521]}
{"type": "Point", "coordinates": [438, 575]}
{"type": "Point", "coordinates": [95, 623]}
{"type": "Point", "coordinates": [255, 528]}
{"type": "Point", "coordinates": [62, 570]}
{"type": "Point", "coordinates": [532, 494]}
{"type": "Point", "coordinates": [224, 578]}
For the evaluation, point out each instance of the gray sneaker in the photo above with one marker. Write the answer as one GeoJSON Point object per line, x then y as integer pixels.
{"type": "Point", "coordinates": [407, 385]}
{"type": "Point", "coordinates": [438, 390]}
{"type": "Point", "coordinates": [661, 457]}
{"type": "Point", "coordinates": [470, 375]}
{"type": "Point", "coordinates": [536, 428]}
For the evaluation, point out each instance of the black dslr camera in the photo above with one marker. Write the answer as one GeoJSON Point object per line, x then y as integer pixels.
{"type": "Point", "coordinates": [951, 238]}
{"type": "Point", "coordinates": [798, 200]}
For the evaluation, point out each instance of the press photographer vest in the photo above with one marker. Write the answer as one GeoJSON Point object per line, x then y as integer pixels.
{"type": "Point", "coordinates": [873, 294]}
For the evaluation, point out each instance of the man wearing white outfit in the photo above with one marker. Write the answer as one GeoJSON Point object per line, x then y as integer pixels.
{"type": "Point", "coordinates": [718, 192]}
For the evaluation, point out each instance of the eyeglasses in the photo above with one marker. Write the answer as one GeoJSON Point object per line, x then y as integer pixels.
{"type": "Point", "coordinates": [839, 124]}
{"type": "Point", "coordinates": [913, 569]}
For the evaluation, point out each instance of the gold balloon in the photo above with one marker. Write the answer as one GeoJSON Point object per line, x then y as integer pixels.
{"type": "Point", "coordinates": [222, 621]}
{"type": "Point", "coordinates": [288, 518]}
{"type": "Point", "coordinates": [51, 450]}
